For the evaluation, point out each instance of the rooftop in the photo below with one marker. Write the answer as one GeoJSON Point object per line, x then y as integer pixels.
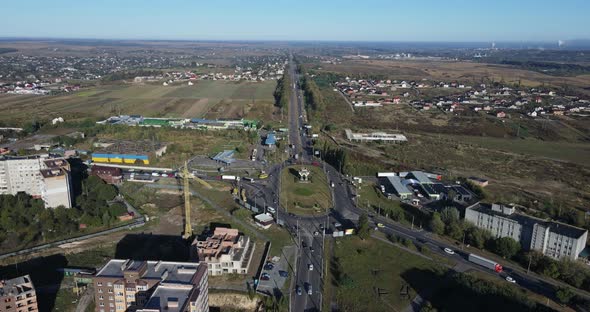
{"type": "Point", "coordinates": [169, 298]}
{"type": "Point", "coordinates": [16, 286]}
{"type": "Point", "coordinates": [167, 271]}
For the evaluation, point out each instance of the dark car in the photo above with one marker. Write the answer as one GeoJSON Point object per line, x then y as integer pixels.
{"type": "Point", "coordinates": [269, 266]}
{"type": "Point", "coordinates": [265, 277]}
{"type": "Point", "coordinates": [283, 273]}
{"type": "Point", "coordinates": [303, 244]}
{"type": "Point", "coordinates": [299, 292]}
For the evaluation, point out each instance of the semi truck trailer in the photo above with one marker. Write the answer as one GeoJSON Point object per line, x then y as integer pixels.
{"type": "Point", "coordinates": [492, 265]}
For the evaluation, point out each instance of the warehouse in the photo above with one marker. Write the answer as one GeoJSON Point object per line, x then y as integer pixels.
{"type": "Point", "coordinates": [127, 152]}
{"type": "Point", "coordinates": [393, 186]}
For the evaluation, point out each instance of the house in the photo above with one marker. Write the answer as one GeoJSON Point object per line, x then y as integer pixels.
{"type": "Point", "coordinates": [110, 175]}
{"type": "Point", "coordinates": [501, 115]}
{"type": "Point", "coordinates": [18, 295]}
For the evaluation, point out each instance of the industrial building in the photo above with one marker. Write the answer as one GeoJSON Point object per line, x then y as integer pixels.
{"type": "Point", "coordinates": [18, 295]}
{"type": "Point", "coordinates": [128, 285]}
{"type": "Point", "coordinates": [39, 176]}
{"type": "Point", "coordinates": [127, 152]}
{"type": "Point", "coordinates": [553, 239]}
{"type": "Point", "coordinates": [225, 251]}
{"type": "Point", "coordinates": [375, 136]}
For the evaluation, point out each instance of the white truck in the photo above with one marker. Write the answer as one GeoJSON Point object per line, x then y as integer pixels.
{"type": "Point", "coordinates": [487, 263]}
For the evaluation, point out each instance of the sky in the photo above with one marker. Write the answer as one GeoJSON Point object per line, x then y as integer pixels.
{"type": "Point", "coordinates": [343, 20]}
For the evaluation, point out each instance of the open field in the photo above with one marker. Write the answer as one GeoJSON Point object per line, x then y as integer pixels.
{"type": "Point", "coordinates": [309, 197]}
{"type": "Point", "coordinates": [206, 98]}
{"type": "Point", "coordinates": [360, 267]}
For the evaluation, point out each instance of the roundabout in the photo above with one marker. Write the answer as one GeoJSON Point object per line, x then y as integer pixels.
{"type": "Point", "coordinates": [305, 190]}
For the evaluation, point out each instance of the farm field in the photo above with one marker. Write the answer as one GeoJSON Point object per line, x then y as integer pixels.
{"type": "Point", "coordinates": [206, 98]}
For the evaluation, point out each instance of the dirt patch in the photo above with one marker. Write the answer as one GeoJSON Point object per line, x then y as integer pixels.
{"type": "Point", "coordinates": [232, 300]}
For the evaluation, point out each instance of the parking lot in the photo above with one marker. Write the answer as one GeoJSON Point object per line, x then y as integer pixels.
{"type": "Point", "coordinates": [280, 271]}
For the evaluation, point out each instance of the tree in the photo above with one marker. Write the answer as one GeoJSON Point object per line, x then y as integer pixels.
{"type": "Point", "coordinates": [449, 215]}
{"type": "Point", "coordinates": [506, 247]}
{"type": "Point", "coordinates": [436, 224]}
{"type": "Point", "coordinates": [455, 230]}
{"type": "Point", "coordinates": [564, 295]}
{"type": "Point", "coordinates": [364, 229]}
{"type": "Point", "coordinates": [476, 237]}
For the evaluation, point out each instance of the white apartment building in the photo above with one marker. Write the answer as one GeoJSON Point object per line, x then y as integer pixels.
{"type": "Point", "coordinates": [39, 176]}
{"type": "Point", "coordinates": [553, 239]}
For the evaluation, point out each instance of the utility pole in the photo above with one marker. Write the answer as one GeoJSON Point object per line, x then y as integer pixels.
{"type": "Point", "coordinates": [412, 223]}
{"type": "Point", "coordinates": [528, 269]}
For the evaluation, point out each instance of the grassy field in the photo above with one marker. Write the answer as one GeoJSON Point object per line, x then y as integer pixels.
{"type": "Point", "coordinates": [361, 267]}
{"type": "Point", "coordinates": [206, 98]}
{"type": "Point", "coordinates": [305, 198]}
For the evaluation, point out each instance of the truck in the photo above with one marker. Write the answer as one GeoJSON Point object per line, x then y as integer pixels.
{"type": "Point", "coordinates": [487, 263]}
{"type": "Point", "coordinates": [228, 177]}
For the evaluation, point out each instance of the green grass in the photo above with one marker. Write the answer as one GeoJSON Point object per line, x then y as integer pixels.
{"type": "Point", "coordinates": [360, 267]}
{"type": "Point", "coordinates": [305, 198]}
{"type": "Point", "coordinates": [578, 153]}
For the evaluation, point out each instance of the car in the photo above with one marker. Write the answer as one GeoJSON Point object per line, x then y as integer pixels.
{"type": "Point", "coordinates": [316, 233]}
{"type": "Point", "coordinates": [510, 280]}
{"type": "Point", "coordinates": [309, 290]}
{"type": "Point", "coordinates": [269, 266]}
{"type": "Point", "coordinates": [283, 273]}
{"type": "Point", "coordinates": [380, 225]}
{"type": "Point", "coordinates": [449, 251]}
{"type": "Point", "coordinates": [311, 249]}
{"type": "Point", "coordinates": [310, 266]}
{"type": "Point", "coordinates": [321, 227]}
{"type": "Point", "coordinates": [265, 277]}
{"type": "Point", "coordinates": [299, 292]}
{"type": "Point", "coordinates": [304, 244]}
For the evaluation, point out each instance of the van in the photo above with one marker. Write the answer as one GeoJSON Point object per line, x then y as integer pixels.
{"type": "Point", "coordinates": [248, 179]}
{"type": "Point", "coordinates": [271, 210]}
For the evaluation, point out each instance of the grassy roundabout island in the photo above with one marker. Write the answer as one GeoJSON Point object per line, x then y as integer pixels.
{"type": "Point", "coordinates": [305, 197]}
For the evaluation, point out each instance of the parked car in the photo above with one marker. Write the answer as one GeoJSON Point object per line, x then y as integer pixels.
{"type": "Point", "coordinates": [299, 292]}
{"type": "Point", "coordinates": [309, 289]}
{"type": "Point", "coordinates": [265, 276]}
{"type": "Point", "coordinates": [310, 266]}
{"type": "Point", "coordinates": [269, 266]}
{"type": "Point", "coordinates": [283, 273]}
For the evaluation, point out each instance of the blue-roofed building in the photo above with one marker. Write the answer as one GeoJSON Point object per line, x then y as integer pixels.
{"type": "Point", "coordinates": [270, 139]}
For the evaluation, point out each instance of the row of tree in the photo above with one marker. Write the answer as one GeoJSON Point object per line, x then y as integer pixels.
{"type": "Point", "coordinates": [282, 92]}
{"type": "Point", "coordinates": [313, 96]}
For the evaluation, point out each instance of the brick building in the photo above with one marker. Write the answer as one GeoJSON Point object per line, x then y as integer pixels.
{"type": "Point", "coordinates": [128, 285]}
{"type": "Point", "coordinates": [18, 295]}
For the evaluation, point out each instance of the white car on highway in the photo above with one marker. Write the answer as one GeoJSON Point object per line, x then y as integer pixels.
{"type": "Point", "coordinates": [510, 280]}
{"type": "Point", "coordinates": [449, 251]}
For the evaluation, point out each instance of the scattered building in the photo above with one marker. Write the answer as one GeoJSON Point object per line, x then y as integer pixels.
{"type": "Point", "coordinates": [375, 136]}
{"type": "Point", "coordinates": [226, 157]}
{"type": "Point", "coordinates": [553, 239]}
{"type": "Point", "coordinates": [478, 181]}
{"type": "Point", "coordinates": [270, 140]}
{"type": "Point", "coordinates": [18, 295]}
{"type": "Point", "coordinates": [264, 220]}
{"type": "Point", "coordinates": [56, 189]}
{"type": "Point", "coordinates": [225, 251]}
{"type": "Point", "coordinates": [128, 285]}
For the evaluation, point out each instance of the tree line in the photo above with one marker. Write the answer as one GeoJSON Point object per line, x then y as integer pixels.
{"type": "Point", "coordinates": [313, 96]}
{"type": "Point", "coordinates": [282, 92]}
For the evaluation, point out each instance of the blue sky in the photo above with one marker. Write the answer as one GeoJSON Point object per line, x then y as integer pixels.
{"type": "Point", "coordinates": [361, 20]}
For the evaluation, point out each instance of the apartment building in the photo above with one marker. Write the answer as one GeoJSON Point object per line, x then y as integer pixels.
{"type": "Point", "coordinates": [18, 295]}
{"type": "Point", "coordinates": [225, 251]}
{"type": "Point", "coordinates": [128, 285]}
{"type": "Point", "coordinates": [553, 239]}
{"type": "Point", "coordinates": [39, 176]}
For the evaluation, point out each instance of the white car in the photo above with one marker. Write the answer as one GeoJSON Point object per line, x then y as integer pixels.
{"type": "Point", "coordinates": [510, 280]}
{"type": "Point", "coordinates": [310, 267]}
{"type": "Point", "coordinates": [449, 251]}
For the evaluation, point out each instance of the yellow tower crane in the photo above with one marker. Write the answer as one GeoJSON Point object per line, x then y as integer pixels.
{"type": "Point", "coordinates": [186, 175]}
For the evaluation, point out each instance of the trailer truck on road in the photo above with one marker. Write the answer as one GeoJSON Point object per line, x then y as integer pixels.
{"type": "Point", "coordinates": [492, 265]}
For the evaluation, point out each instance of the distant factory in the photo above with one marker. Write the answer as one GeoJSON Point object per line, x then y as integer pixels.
{"type": "Point", "coordinates": [190, 123]}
